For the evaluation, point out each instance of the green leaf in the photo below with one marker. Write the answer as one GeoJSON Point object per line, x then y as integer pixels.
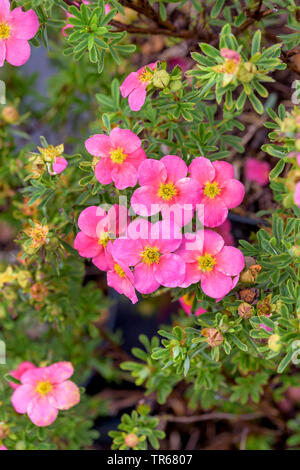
{"type": "Point", "coordinates": [255, 47]}
{"type": "Point", "coordinates": [217, 8]}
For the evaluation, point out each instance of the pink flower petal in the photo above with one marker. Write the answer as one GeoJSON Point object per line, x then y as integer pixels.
{"type": "Point", "coordinates": [213, 242]}
{"type": "Point", "coordinates": [103, 171]}
{"type": "Point", "coordinates": [98, 145]}
{"type": "Point", "coordinates": [189, 192]}
{"type": "Point", "coordinates": [122, 285]}
{"type": "Point", "coordinates": [33, 376]}
{"type": "Point", "coordinates": [4, 10]}
{"type": "Point", "coordinates": [59, 165]}
{"type": "Point", "coordinates": [17, 51]}
{"type": "Point", "coordinates": [130, 83]}
{"type": "Point", "coordinates": [202, 170]}
{"type": "Point", "coordinates": [215, 211]}
{"type": "Point", "coordinates": [166, 236]}
{"type": "Point", "coordinates": [152, 172]}
{"type": "Point", "coordinates": [137, 98]}
{"type": "Point", "coordinates": [232, 193]}
{"type": "Point", "coordinates": [230, 261]}
{"type": "Point", "coordinates": [175, 166]}
{"type": "Point", "coordinates": [215, 284]}
{"type": "Point", "coordinates": [117, 220]}
{"type": "Point", "coordinates": [224, 171]}
{"type": "Point", "coordinates": [136, 157]}
{"type": "Point", "coordinates": [258, 171]}
{"type": "Point", "coordinates": [89, 219]}
{"type": "Point", "coordinates": [145, 201]}
{"type": "Point", "coordinates": [170, 271]}
{"type": "Point", "coordinates": [2, 52]}
{"type": "Point", "coordinates": [60, 371]}
{"type": "Point", "coordinates": [127, 251]}
{"type": "Point", "coordinates": [124, 175]}
{"type": "Point", "coordinates": [22, 396]}
{"type": "Point", "coordinates": [125, 139]}
{"type": "Point", "coordinates": [144, 280]}
{"type": "Point", "coordinates": [192, 246]}
{"type": "Point", "coordinates": [64, 395]}
{"type": "Point", "coordinates": [100, 261]}
{"type": "Point", "coordinates": [24, 24]}
{"type": "Point", "coordinates": [17, 374]}
{"type": "Point", "coordinates": [40, 412]}
{"type": "Point", "coordinates": [87, 247]}
{"type": "Point", "coordinates": [192, 274]}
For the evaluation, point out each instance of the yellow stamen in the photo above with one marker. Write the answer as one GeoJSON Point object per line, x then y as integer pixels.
{"type": "Point", "coordinates": [4, 31]}
{"type": "Point", "coordinates": [167, 191]}
{"type": "Point", "coordinates": [119, 270]}
{"type": "Point", "coordinates": [43, 388]}
{"type": "Point", "coordinates": [50, 153]}
{"type": "Point", "coordinates": [188, 298]}
{"type": "Point", "coordinates": [145, 76]}
{"type": "Point", "coordinates": [117, 155]}
{"type": "Point", "coordinates": [206, 262]}
{"type": "Point", "coordinates": [230, 66]}
{"type": "Point", "coordinates": [150, 255]}
{"type": "Point", "coordinates": [211, 190]}
{"type": "Point", "coordinates": [103, 239]}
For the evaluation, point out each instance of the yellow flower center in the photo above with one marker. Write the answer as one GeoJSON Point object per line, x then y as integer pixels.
{"type": "Point", "coordinates": [4, 31]}
{"type": "Point", "coordinates": [230, 66]}
{"type": "Point", "coordinates": [211, 190]}
{"type": "Point", "coordinates": [145, 76]}
{"type": "Point", "coordinates": [119, 270]}
{"type": "Point", "coordinates": [167, 191]}
{"type": "Point", "coordinates": [43, 388]}
{"type": "Point", "coordinates": [117, 155]}
{"type": "Point", "coordinates": [150, 255]}
{"type": "Point", "coordinates": [188, 298]}
{"type": "Point", "coordinates": [206, 262]}
{"type": "Point", "coordinates": [103, 239]}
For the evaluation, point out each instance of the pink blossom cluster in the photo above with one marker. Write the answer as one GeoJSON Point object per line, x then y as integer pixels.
{"type": "Point", "coordinates": [139, 255]}
{"type": "Point", "coordinates": [43, 391]}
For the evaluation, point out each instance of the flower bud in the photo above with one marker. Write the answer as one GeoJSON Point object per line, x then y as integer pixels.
{"type": "Point", "coordinates": [245, 310]}
{"type": "Point", "coordinates": [274, 343]}
{"type": "Point", "coordinates": [246, 72]}
{"type": "Point", "coordinates": [175, 85]}
{"type": "Point", "coordinates": [131, 440]}
{"type": "Point", "coordinates": [160, 78]}
{"type": "Point", "coordinates": [4, 431]}
{"type": "Point", "coordinates": [10, 114]}
{"type": "Point", "coordinates": [214, 337]}
{"type": "Point", "coordinates": [248, 295]}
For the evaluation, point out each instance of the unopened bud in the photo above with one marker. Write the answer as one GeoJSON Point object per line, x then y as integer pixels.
{"type": "Point", "coordinates": [160, 78]}
{"type": "Point", "coordinates": [175, 85]}
{"type": "Point", "coordinates": [274, 343]}
{"type": "Point", "coordinates": [248, 295]}
{"type": "Point", "coordinates": [213, 336]}
{"type": "Point", "coordinates": [246, 72]}
{"type": "Point", "coordinates": [10, 114]}
{"type": "Point", "coordinates": [245, 310]}
{"type": "Point", "coordinates": [131, 440]}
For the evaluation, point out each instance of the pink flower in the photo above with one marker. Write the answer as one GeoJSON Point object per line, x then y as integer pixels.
{"type": "Point", "coordinates": [257, 171]}
{"type": "Point", "coordinates": [98, 229]}
{"type": "Point", "coordinates": [150, 249]}
{"type": "Point", "coordinates": [59, 165]}
{"type": "Point", "coordinates": [120, 277]}
{"type": "Point", "coordinates": [297, 194]}
{"type": "Point", "coordinates": [134, 86]}
{"type": "Point", "coordinates": [68, 15]}
{"type": "Point", "coordinates": [186, 302]}
{"type": "Point", "coordinates": [225, 231]}
{"type": "Point", "coordinates": [230, 55]}
{"type": "Point", "coordinates": [121, 155]}
{"type": "Point", "coordinates": [44, 391]}
{"type": "Point", "coordinates": [16, 28]}
{"type": "Point", "coordinates": [3, 448]}
{"type": "Point", "coordinates": [220, 190]}
{"type": "Point", "coordinates": [17, 374]}
{"type": "Point", "coordinates": [210, 262]}
{"type": "Point", "coordinates": [165, 187]}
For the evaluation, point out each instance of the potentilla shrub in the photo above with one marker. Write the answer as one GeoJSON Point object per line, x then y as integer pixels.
{"type": "Point", "coordinates": [134, 189]}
